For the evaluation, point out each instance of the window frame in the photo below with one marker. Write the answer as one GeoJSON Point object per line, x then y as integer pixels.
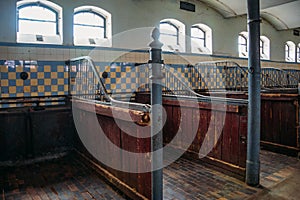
{"type": "Point", "coordinates": [243, 35]}
{"type": "Point", "coordinates": [104, 40]}
{"type": "Point", "coordinates": [199, 38]}
{"type": "Point", "coordinates": [95, 13]}
{"type": "Point", "coordinates": [262, 46]}
{"type": "Point", "coordinates": [180, 44]}
{"type": "Point", "coordinates": [244, 45]}
{"type": "Point", "coordinates": [298, 53]}
{"type": "Point", "coordinates": [290, 50]}
{"type": "Point", "coordinates": [173, 25]}
{"type": "Point", "coordinates": [287, 50]}
{"type": "Point", "coordinates": [206, 47]}
{"type": "Point", "coordinates": [37, 36]}
{"type": "Point", "coordinates": [38, 4]}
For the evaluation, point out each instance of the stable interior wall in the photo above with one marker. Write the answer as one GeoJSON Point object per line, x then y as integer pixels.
{"type": "Point", "coordinates": [145, 13]}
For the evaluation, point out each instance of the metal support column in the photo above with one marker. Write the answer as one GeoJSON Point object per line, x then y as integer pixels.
{"type": "Point", "coordinates": [156, 116]}
{"type": "Point", "coordinates": [253, 139]}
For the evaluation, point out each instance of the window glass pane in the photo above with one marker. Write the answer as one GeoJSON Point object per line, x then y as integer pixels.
{"type": "Point", "coordinates": [197, 37]}
{"type": "Point", "coordinates": [37, 20]}
{"type": "Point", "coordinates": [197, 32]}
{"type": "Point", "coordinates": [37, 28]}
{"type": "Point", "coordinates": [88, 32]}
{"type": "Point", "coordinates": [196, 43]}
{"type": "Point", "coordinates": [88, 25]}
{"type": "Point", "coordinates": [88, 18]}
{"type": "Point", "coordinates": [167, 29]}
{"type": "Point", "coordinates": [37, 13]}
{"type": "Point", "coordinates": [242, 48]}
{"type": "Point", "coordinates": [242, 45]}
{"type": "Point", "coordinates": [168, 35]}
{"type": "Point", "coordinates": [242, 40]}
{"type": "Point", "coordinates": [287, 51]}
{"type": "Point", "coordinates": [168, 39]}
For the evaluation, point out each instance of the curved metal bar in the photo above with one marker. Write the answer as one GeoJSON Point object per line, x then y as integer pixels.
{"type": "Point", "coordinates": [216, 63]}
{"type": "Point", "coordinates": [209, 99]}
{"type": "Point", "coordinates": [146, 107]}
{"type": "Point", "coordinates": [114, 102]}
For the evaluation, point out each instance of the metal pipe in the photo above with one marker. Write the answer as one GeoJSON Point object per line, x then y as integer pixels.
{"type": "Point", "coordinates": [253, 139]}
{"type": "Point", "coordinates": [156, 118]}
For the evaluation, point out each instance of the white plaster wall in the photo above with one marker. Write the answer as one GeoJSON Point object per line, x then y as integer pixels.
{"type": "Point", "coordinates": [130, 14]}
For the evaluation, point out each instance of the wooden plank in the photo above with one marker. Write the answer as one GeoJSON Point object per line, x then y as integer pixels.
{"type": "Point", "coordinates": [176, 121]}
{"type": "Point", "coordinates": [210, 135]}
{"type": "Point", "coordinates": [114, 112]}
{"type": "Point", "coordinates": [276, 121]}
{"type": "Point", "coordinates": [187, 127]}
{"type": "Point", "coordinates": [202, 105]}
{"type": "Point", "coordinates": [226, 140]}
{"type": "Point", "coordinates": [129, 143]}
{"type": "Point", "coordinates": [267, 121]}
{"type": "Point", "coordinates": [242, 144]}
{"type": "Point", "coordinates": [279, 148]}
{"type": "Point", "coordinates": [206, 127]}
{"type": "Point", "coordinates": [195, 146]}
{"type": "Point", "coordinates": [168, 130]}
{"type": "Point", "coordinates": [112, 132]}
{"type": "Point", "coordinates": [235, 138]}
{"type": "Point", "coordinates": [291, 134]}
{"type": "Point", "coordinates": [219, 125]}
{"type": "Point", "coordinates": [264, 117]}
{"type": "Point", "coordinates": [284, 125]}
{"type": "Point", "coordinates": [144, 146]}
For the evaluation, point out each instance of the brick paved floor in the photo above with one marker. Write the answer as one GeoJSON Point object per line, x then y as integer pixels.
{"type": "Point", "coordinates": [69, 178]}
{"type": "Point", "coordinates": [189, 180]}
{"type": "Point", "coordinates": [185, 179]}
{"type": "Point", "coordinates": [63, 178]}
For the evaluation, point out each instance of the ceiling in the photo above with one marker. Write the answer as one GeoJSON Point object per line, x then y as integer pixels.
{"type": "Point", "coordinates": [282, 14]}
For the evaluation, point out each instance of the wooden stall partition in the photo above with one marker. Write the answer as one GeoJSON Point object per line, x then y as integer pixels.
{"type": "Point", "coordinates": [279, 120]}
{"type": "Point", "coordinates": [279, 124]}
{"type": "Point", "coordinates": [27, 133]}
{"type": "Point", "coordinates": [219, 132]}
{"type": "Point", "coordinates": [124, 135]}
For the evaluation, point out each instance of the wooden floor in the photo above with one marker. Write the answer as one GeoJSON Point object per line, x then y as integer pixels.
{"type": "Point", "coordinates": [69, 177]}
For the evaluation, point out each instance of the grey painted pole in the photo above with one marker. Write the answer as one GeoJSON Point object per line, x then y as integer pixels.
{"type": "Point", "coordinates": [253, 139]}
{"type": "Point", "coordinates": [156, 116]}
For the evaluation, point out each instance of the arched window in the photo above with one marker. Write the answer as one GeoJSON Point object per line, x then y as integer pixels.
{"type": "Point", "coordinates": [290, 53]}
{"type": "Point", "coordinates": [243, 44]}
{"type": "Point", "coordinates": [169, 33]}
{"type": "Point", "coordinates": [201, 39]}
{"type": "Point", "coordinates": [92, 26]}
{"type": "Point", "coordinates": [172, 35]}
{"type": "Point", "coordinates": [264, 48]}
{"type": "Point", "coordinates": [39, 22]}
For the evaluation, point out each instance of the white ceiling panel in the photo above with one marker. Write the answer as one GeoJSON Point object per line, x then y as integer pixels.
{"type": "Point", "coordinates": [283, 14]}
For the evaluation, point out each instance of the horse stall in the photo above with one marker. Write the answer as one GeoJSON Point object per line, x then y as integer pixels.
{"type": "Point", "coordinates": [31, 127]}
{"type": "Point", "coordinates": [279, 99]}
{"type": "Point", "coordinates": [209, 130]}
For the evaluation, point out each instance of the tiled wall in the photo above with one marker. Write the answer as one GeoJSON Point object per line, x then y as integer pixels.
{"type": "Point", "coordinates": [48, 74]}
{"type": "Point", "coordinates": [44, 79]}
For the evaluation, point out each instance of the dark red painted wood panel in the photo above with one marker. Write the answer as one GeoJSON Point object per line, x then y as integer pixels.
{"type": "Point", "coordinates": [242, 141]}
